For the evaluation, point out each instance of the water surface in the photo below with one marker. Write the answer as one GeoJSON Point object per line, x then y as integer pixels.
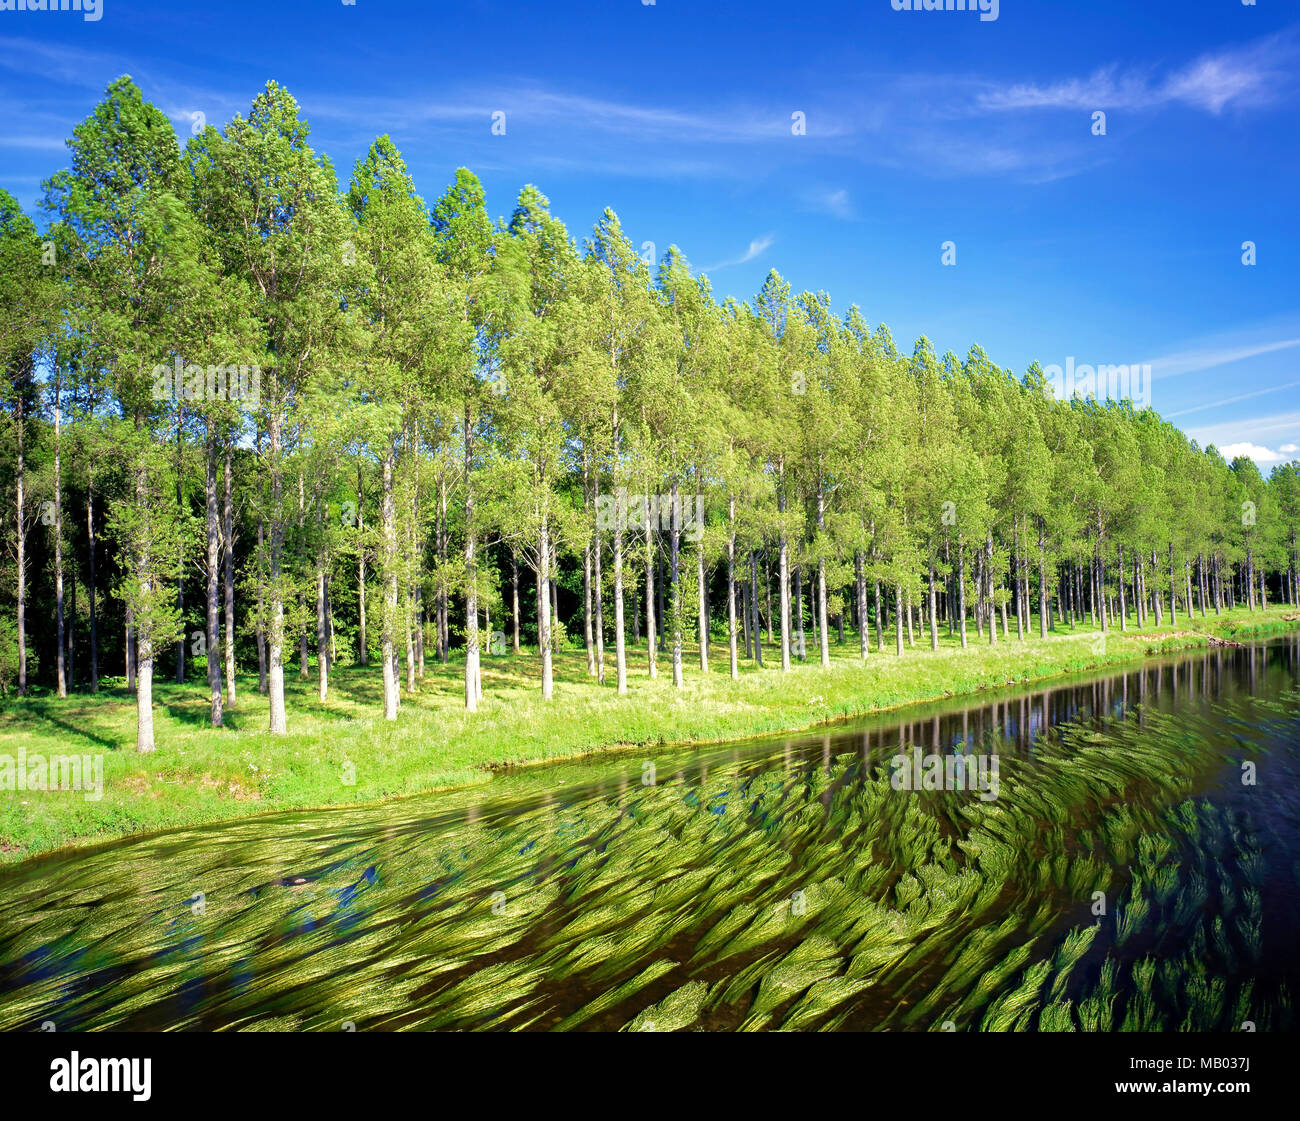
{"type": "Point", "coordinates": [1137, 870]}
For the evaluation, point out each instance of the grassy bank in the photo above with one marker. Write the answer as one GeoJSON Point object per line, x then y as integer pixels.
{"type": "Point", "coordinates": [199, 774]}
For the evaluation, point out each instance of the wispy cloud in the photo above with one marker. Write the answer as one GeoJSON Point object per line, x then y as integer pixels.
{"type": "Point", "coordinates": [1194, 361]}
{"type": "Point", "coordinates": [1233, 400]}
{"type": "Point", "coordinates": [39, 143]}
{"type": "Point", "coordinates": [1261, 432]}
{"type": "Point", "coordinates": [756, 248]}
{"type": "Point", "coordinates": [836, 203]}
{"type": "Point", "coordinates": [1252, 75]}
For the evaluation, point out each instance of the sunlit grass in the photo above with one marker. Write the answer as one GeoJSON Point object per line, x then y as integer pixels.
{"type": "Point", "coordinates": [200, 774]}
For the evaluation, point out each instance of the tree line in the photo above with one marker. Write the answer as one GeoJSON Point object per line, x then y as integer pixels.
{"type": "Point", "coordinates": [249, 408]}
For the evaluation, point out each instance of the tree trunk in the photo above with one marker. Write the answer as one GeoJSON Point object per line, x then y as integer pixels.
{"type": "Point", "coordinates": [180, 575]}
{"type": "Point", "coordinates": [731, 588]}
{"type": "Point", "coordinates": [864, 620]}
{"type": "Point", "coordinates": [514, 596]}
{"type": "Point", "coordinates": [620, 643]}
{"type": "Point", "coordinates": [322, 630]}
{"type": "Point", "coordinates": [1173, 589]}
{"type": "Point", "coordinates": [444, 535]}
{"type": "Point", "coordinates": [262, 684]}
{"type": "Point", "coordinates": [90, 587]}
{"type": "Point", "coordinates": [588, 631]}
{"type": "Point", "coordinates": [783, 571]}
{"type": "Point", "coordinates": [144, 741]}
{"type": "Point", "coordinates": [275, 637]}
{"type": "Point", "coordinates": [212, 531]}
{"type": "Point", "coordinates": [988, 575]}
{"type": "Point", "coordinates": [228, 548]}
{"type": "Point", "coordinates": [650, 633]}
{"type": "Point", "coordinates": [799, 650]}
{"type": "Point", "coordinates": [898, 619]}
{"type": "Point", "coordinates": [21, 527]}
{"type": "Point", "coordinates": [544, 609]}
{"type": "Point", "coordinates": [961, 589]}
{"type": "Point", "coordinates": [822, 597]}
{"type": "Point", "coordinates": [598, 600]}
{"type": "Point", "coordinates": [934, 620]}
{"type": "Point", "coordinates": [388, 527]}
{"type": "Point", "coordinates": [702, 623]}
{"type": "Point", "coordinates": [362, 654]}
{"type": "Point", "coordinates": [58, 532]}
{"type": "Point", "coordinates": [1123, 605]}
{"type": "Point", "coordinates": [675, 584]}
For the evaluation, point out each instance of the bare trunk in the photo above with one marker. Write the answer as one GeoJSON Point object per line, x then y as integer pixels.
{"type": "Point", "coordinates": [212, 529]}
{"type": "Point", "coordinates": [228, 548]}
{"type": "Point", "coordinates": [90, 587]}
{"type": "Point", "coordinates": [322, 632]}
{"type": "Point", "coordinates": [144, 741]}
{"type": "Point", "coordinates": [388, 528]}
{"type": "Point", "coordinates": [703, 605]}
{"type": "Point", "coordinates": [598, 596]}
{"type": "Point", "coordinates": [934, 619]}
{"type": "Point", "coordinates": [620, 644]}
{"type": "Point", "coordinates": [898, 618]}
{"type": "Point", "coordinates": [275, 637]}
{"type": "Point", "coordinates": [961, 589]}
{"type": "Point", "coordinates": [362, 654]}
{"type": "Point", "coordinates": [864, 620]}
{"type": "Point", "coordinates": [22, 554]}
{"type": "Point", "coordinates": [544, 609]}
{"type": "Point", "coordinates": [1173, 589]}
{"type": "Point", "coordinates": [675, 584]}
{"type": "Point", "coordinates": [58, 534]}
{"type": "Point", "coordinates": [180, 575]}
{"type": "Point", "coordinates": [783, 570]}
{"type": "Point", "coordinates": [471, 575]}
{"type": "Point", "coordinates": [261, 610]}
{"type": "Point", "coordinates": [651, 636]}
{"type": "Point", "coordinates": [821, 580]}
{"type": "Point", "coordinates": [514, 596]}
{"type": "Point", "coordinates": [731, 590]}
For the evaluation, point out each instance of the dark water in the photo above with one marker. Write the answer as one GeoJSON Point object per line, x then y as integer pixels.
{"type": "Point", "coordinates": [1130, 864]}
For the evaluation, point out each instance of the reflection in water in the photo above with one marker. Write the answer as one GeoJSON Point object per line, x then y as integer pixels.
{"type": "Point", "coordinates": [1126, 877]}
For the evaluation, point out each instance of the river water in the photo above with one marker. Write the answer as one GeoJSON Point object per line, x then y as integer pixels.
{"type": "Point", "coordinates": [1113, 852]}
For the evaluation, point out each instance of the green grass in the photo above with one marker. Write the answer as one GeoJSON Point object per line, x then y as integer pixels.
{"type": "Point", "coordinates": [199, 774]}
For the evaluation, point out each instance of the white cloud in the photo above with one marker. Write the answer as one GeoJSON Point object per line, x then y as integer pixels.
{"type": "Point", "coordinates": [1252, 451]}
{"type": "Point", "coordinates": [1290, 449]}
{"type": "Point", "coordinates": [1258, 431]}
{"type": "Point", "coordinates": [756, 248]}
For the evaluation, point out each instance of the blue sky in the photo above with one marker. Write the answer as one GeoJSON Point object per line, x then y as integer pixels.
{"type": "Point", "coordinates": [921, 128]}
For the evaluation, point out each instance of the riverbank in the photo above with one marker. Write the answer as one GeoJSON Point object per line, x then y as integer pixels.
{"type": "Point", "coordinates": [341, 752]}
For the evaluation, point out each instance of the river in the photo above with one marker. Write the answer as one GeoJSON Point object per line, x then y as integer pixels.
{"type": "Point", "coordinates": [1112, 852]}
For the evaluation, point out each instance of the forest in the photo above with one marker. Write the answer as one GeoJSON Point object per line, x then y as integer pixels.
{"type": "Point", "coordinates": [257, 416]}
